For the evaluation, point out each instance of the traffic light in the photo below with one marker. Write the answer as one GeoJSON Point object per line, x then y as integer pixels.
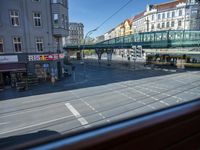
{"type": "Point", "coordinates": [139, 51]}
{"type": "Point", "coordinates": [136, 52]}
{"type": "Point", "coordinates": [133, 52]}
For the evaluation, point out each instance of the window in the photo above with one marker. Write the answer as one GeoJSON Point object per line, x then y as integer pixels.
{"type": "Point", "coordinates": [14, 16]}
{"type": "Point", "coordinates": [168, 15]}
{"type": "Point", "coordinates": [39, 44]}
{"type": "Point", "coordinates": [173, 14]}
{"type": "Point", "coordinates": [58, 1]}
{"type": "Point", "coordinates": [36, 0]}
{"type": "Point", "coordinates": [163, 16]}
{"type": "Point", "coordinates": [163, 25]}
{"type": "Point", "coordinates": [63, 21]}
{"type": "Point", "coordinates": [180, 13]}
{"type": "Point", "coordinates": [55, 20]}
{"type": "Point", "coordinates": [167, 25]}
{"type": "Point", "coordinates": [54, 1]}
{"type": "Point", "coordinates": [172, 24]}
{"type": "Point", "coordinates": [152, 27]}
{"type": "Point", "coordinates": [158, 16]}
{"type": "Point", "coordinates": [152, 17]}
{"type": "Point", "coordinates": [158, 26]}
{"type": "Point", "coordinates": [17, 42]}
{"type": "Point", "coordinates": [1, 45]}
{"type": "Point", "coordinates": [179, 23]}
{"type": "Point", "coordinates": [37, 19]}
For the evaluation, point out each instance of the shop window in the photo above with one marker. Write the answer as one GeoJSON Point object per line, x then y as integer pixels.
{"type": "Point", "coordinates": [40, 71]}
{"type": "Point", "coordinates": [17, 42]}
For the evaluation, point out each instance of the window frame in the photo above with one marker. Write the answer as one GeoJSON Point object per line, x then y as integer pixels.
{"type": "Point", "coordinates": [54, 24]}
{"type": "Point", "coordinates": [179, 23]}
{"type": "Point", "coordinates": [172, 24]}
{"type": "Point", "coordinates": [180, 12]}
{"type": "Point", "coordinates": [36, 1]}
{"type": "Point", "coordinates": [163, 25]}
{"type": "Point", "coordinates": [17, 43]}
{"type": "Point", "coordinates": [39, 44]}
{"type": "Point", "coordinates": [2, 43]}
{"type": "Point", "coordinates": [37, 19]}
{"type": "Point", "coordinates": [14, 18]}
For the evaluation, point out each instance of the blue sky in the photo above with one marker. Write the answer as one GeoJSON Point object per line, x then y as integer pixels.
{"type": "Point", "coordinates": [93, 12]}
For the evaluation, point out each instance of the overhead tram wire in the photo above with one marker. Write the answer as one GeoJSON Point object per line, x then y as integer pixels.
{"type": "Point", "coordinates": [116, 12]}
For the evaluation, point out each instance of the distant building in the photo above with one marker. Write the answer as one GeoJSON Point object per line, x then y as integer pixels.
{"type": "Point", "coordinates": [173, 15]}
{"type": "Point", "coordinates": [32, 36]}
{"type": "Point", "coordinates": [99, 39]}
{"type": "Point", "coordinates": [76, 33]}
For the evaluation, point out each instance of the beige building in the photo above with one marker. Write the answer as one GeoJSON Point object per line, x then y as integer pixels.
{"type": "Point", "coordinates": [128, 27]}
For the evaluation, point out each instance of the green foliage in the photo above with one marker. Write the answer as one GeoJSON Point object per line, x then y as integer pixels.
{"type": "Point", "coordinates": [89, 52]}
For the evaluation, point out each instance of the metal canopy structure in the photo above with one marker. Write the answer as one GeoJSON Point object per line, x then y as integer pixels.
{"type": "Point", "coordinates": [148, 40]}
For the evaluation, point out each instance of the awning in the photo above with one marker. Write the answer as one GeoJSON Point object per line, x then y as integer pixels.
{"type": "Point", "coordinates": [12, 67]}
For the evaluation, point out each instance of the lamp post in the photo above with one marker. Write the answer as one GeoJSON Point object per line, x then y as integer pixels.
{"type": "Point", "coordinates": [84, 42]}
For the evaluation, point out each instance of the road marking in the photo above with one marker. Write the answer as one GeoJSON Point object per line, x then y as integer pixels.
{"type": "Point", "coordinates": [35, 125]}
{"type": "Point", "coordinates": [4, 123]}
{"type": "Point", "coordinates": [151, 107]}
{"type": "Point", "coordinates": [76, 114]}
{"type": "Point", "coordinates": [26, 111]}
{"type": "Point", "coordinates": [164, 103]}
{"type": "Point", "coordinates": [73, 110]}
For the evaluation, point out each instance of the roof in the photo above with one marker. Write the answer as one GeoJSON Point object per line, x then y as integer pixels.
{"type": "Point", "coordinates": [138, 15]}
{"type": "Point", "coordinates": [168, 5]}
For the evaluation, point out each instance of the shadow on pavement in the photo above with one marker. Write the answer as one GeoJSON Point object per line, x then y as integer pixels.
{"type": "Point", "coordinates": [13, 141]}
{"type": "Point", "coordinates": [95, 76]}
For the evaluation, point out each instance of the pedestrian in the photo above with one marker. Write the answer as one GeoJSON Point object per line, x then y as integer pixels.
{"type": "Point", "coordinates": [53, 80]}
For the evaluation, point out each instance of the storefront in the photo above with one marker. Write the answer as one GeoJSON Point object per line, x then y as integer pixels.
{"type": "Point", "coordinates": [46, 65]}
{"type": "Point", "coordinates": [11, 71]}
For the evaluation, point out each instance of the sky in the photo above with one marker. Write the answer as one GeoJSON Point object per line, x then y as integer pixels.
{"type": "Point", "coordinates": [92, 13]}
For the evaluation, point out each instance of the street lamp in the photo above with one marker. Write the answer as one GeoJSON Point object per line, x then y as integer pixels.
{"type": "Point", "coordinates": [84, 42]}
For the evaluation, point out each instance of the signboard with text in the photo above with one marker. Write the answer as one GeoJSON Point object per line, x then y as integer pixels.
{"type": "Point", "coordinates": [8, 58]}
{"type": "Point", "coordinates": [45, 57]}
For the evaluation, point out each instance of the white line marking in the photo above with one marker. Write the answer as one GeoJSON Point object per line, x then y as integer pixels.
{"type": "Point", "coordinates": [26, 111]}
{"type": "Point", "coordinates": [82, 121]}
{"type": "Point", "coordinates": [164, 103]}
{"type": "Point", "coordinates": [4, 123]}
{"type": "Point", "coordinates": [73, 110]}
{"type": "Point", "coordinates": [76, 114]}
{"type": "Point", "coordinates": [35, 125]}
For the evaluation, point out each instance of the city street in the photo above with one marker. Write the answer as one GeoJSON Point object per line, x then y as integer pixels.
{"type": "Point", "coordinates": [101, 96]}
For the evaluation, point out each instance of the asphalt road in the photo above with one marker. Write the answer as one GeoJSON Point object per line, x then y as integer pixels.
{"type": "Point", "coordinates": [105, 95]}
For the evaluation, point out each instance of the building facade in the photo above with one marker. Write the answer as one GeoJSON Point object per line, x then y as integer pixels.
{"type": "Point", "coordinates": [32, 37]}
{"type": "Point", "coordinates": [174, 15]}
{"type": "Point", "coordinates": [76, 33]}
